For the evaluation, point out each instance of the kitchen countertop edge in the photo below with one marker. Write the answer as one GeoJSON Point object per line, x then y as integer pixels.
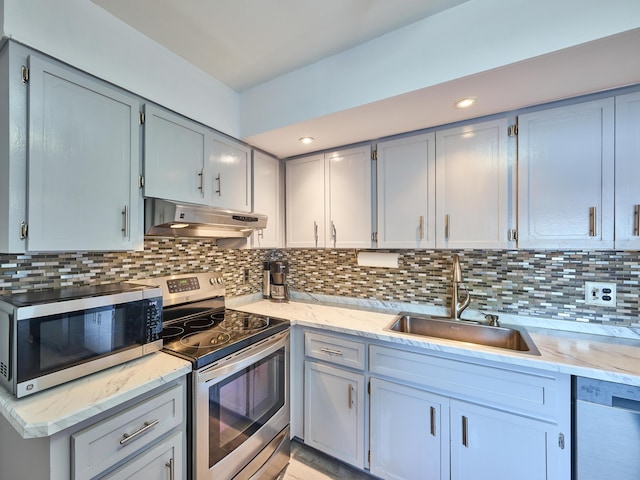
{"type": "Point", "coordinates": [54, 410]}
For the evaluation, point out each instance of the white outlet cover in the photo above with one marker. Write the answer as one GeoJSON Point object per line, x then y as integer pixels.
{"type": "Point", "coordinates": [599, 293]}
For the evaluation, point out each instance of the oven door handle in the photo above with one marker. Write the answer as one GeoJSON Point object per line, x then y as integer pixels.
{"type": "Point", "coordinates": [243, 360]}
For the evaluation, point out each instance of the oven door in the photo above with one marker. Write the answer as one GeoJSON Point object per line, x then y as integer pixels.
{"type": "Point", "coordinates": [241, 405]}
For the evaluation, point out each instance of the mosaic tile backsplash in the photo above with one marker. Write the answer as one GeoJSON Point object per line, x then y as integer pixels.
{"type": "Point", "coordinates": [534, 283]}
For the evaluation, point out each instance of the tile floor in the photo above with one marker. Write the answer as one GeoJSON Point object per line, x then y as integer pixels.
{"type": "Point", "coordinates": [309, 464]}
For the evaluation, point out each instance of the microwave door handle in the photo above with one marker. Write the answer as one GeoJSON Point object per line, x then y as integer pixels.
{"type": "Point", "coordinates": [242, 361]}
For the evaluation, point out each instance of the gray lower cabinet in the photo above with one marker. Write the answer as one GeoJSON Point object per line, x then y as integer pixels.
{"type": "Point", "coordinates": [165, 460]}
{"type": "Point", "coordinates": [334, 397]}
{"type": "Point", "coordinates": [409, 432]}
{"type": "Point", "coordinates": [433, 416]}
{"type": "Point", "coordinates": [142, 439]}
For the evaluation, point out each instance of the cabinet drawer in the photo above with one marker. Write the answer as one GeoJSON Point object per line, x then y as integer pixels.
{"type": "Point", "coordinates": [539, 393]}
{"type": "Point", "coordinates": [100, 446]}
{"type": "Point", "coordinates": [163, 460]}
{"type": "Point", "coordinates": [334, 349]}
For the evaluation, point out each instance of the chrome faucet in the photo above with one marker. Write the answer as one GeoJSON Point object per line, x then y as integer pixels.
{"type": "Point", "coordinates": [457, 307]}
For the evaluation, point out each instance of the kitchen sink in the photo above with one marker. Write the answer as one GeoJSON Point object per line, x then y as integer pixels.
{"type": "Point", "coordinates": [463, 331]}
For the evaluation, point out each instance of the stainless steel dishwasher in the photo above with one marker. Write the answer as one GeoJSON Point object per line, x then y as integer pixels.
{"type": "Point", "coordinates": [606, 430]}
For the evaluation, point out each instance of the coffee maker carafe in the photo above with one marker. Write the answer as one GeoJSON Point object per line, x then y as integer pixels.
{"type": "Point", "coordinates": [279, 289]}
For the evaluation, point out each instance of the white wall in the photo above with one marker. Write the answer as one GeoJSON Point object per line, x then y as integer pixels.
{"type": "Point", "coordinates": [84, 35]}
{"type": "Point", "coordinates": [473, 37]}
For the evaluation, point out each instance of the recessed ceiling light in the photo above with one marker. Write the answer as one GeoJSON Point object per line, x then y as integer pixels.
{"type": "Point", "coordinates": [465, 102]}
{"type": "Point", "coordinates": [306, 140]}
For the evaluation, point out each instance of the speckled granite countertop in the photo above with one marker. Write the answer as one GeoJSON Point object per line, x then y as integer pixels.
{"type": "Point", "coordinates": [577, 353]}
{"type": "Point", "coordinates": [53, 410]}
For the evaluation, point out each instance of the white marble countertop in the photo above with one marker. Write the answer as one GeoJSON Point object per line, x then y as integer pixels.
{"type": "Point", "coordinates": [597, 356]}
{"type": "Point", "coordinates": [58, 408]}
{"type": "Point", "coordinates": [46, 413]}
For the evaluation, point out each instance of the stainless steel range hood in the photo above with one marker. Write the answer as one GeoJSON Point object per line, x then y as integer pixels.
{"type": "Point", "coordinates": [177, 219]}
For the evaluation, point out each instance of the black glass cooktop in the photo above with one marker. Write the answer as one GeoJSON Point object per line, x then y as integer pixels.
{"type": "Point", "coordinates": [209, 336]}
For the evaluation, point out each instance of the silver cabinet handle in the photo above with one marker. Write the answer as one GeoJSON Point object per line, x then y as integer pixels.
{"type": "Point", "coordinates": [334, 234]}
{"type": "Point", "coordinates": [315, 232]}
{"type": "Point", "coordinates": [201, 187]}
{"type": "Point", "coordinates": [331, 352]}
{"type": "Point", "coordinates": [636, 220]}
{"type": "Point", "coordinates": [125, 220]}
{"type": "Point", "coordinates": [592, 222]}
{"type": "Point", "coordinates": [219, 180]}
{"type": "Point", "coordinates": [465, 431]}
{"type": "Point", "coordinates": [126, 437]}
{"type": "Point", "coordinates": [421, 227]}
{"type": "Point", "coordinates": [350, 396]}
{"type": "Point", "coordinates": [170, 464]}
{"type": "Point", "coordinates": [446, 227]}
{"type": "Point", "coordinates": [433, 421]}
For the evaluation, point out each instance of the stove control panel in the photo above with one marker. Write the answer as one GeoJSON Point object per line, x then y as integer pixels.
{"type": "Point", "coordinates": [187, 284]}
{"type": "Point", "coordinates": [188, 287]}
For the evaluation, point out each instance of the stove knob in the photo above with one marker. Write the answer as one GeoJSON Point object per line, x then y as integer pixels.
{"type": "Point", "coordinates": [212, 280]}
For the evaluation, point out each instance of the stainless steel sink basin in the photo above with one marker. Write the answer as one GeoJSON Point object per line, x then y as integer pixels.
{"type": "Point", "coordinates": [462, 331]}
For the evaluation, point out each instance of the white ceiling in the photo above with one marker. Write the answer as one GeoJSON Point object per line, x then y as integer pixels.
{"type": "Point", "coordinates": [243, 43]}
{"type": "Point", "coordinates": [592, 67]}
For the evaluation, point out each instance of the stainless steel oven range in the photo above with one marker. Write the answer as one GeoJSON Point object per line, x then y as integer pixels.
{"type": "Point", "coordinates": [240, 381]}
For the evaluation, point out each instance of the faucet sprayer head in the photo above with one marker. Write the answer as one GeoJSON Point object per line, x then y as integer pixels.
{"type": "Point", "coordinates": [457, 270]}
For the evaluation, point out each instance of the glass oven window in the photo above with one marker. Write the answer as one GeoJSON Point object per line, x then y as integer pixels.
{"type": "Point", "coordinates": [52, 343]}
{"type": "Point", "coordinates": [244, 402]}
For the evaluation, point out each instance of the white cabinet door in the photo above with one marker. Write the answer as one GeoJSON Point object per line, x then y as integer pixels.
{"type": "Point", "coordinates": [627, 147]}
{"type": "Point", "coordinates": [472, 186]}
{"type": "Point", "coordinates": [348, 198]}
{"type": "Point", "coordinates": [174, 156]}
{"type": "Point", "coordinates": [227, 172]}
{"type": "Point", "coordinates": [163, 461]}
{"type": "Point", "coordinates": [83, 177]}
{"type": "Point", "coordinates": [406, 192]}
{"type": "Point", "coordinates": [305, 202]}
{"type": "Point", "coordinates": [566, 176]}
{"type": "Point", "coordinates": [409, 433]}
{"type": "Point", "coordinates": [188, 162]}
{"type": "Point", "coordinates": [334, 412]}
{"type": "Point", "coordinates": [267, 199]}
{"type": "Point", "coordinates": [488, 443]}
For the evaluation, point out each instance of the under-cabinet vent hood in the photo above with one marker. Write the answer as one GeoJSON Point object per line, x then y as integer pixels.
{"type": "Point", "coordinates": [177, 219]}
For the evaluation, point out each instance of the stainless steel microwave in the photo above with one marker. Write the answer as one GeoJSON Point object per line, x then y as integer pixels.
{"type": "Point", "coordinates": [50, 337]}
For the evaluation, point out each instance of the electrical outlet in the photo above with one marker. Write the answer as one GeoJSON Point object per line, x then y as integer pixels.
{"type": "Point", "coordinates": [245, 276]}
{"type": "Point", "coordinates": [603, 294]}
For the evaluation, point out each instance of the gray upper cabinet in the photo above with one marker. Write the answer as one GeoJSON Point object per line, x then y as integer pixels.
{"type": "Point", "coordinates": [406, 192]}
{"type": "Point", "coordinates": [79, 190]}
{"type": "Point", "coordinates": [185, 161]}
{"type": "Point", "coordinates": [268, 199]}
{"type": "Point", "coordinates": [566, 176]}
{"type": "Point", "coordinates": [228, 174]}
{"type": "Point", "coordinates": [83, 163]}
{"type": "Point", "coordinates": [473, 194]}
{"type": "Point", "coordinates": [627, 192]}
{"type": "Point", "coordinates": [174, 156]}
